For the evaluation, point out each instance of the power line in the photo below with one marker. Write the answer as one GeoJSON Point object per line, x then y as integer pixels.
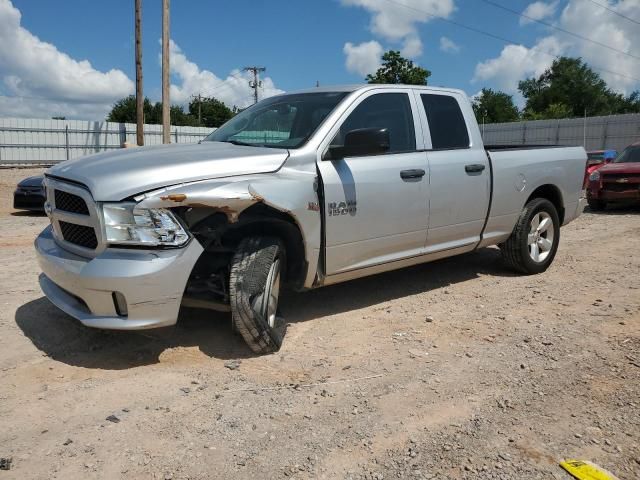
{"type": "Point", "coordinates": [500, 38]}
{"type": "Point", "coordinates": [560, 29]}
{"type": "Point", "coordinates": [614, 12]}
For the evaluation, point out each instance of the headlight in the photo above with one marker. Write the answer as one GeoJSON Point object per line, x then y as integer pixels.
{"type": "Point", "coordinates": [595, 176]}
{"type": "Point", "coordinates": [126, 224]}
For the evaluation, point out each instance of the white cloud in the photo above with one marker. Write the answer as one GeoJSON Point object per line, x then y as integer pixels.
{"type": "Point", "coordinates": [397, 24]}
{"type": "Point", "coordinates": [412, 46]}
{"type": "Point", "coordinates": [232, 90]}
{"type": "Point", "coordinates": [364, 58]}
{"type": "Point", "coordinates": [394, 22]}
{"type": "Point", "coordinates": [538, 11]}
{"type": "Point", "coordinates": [48, 81]}
{"type": "Point", "coordinates": [516, 62]}
{"type": "Point", "coordinates": [610, 29]}
{"type": "Point", "coordinates": [448, 45]}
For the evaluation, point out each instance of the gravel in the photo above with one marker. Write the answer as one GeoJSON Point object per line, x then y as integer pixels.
{"type": "Point", "coordinates": [515, 374]}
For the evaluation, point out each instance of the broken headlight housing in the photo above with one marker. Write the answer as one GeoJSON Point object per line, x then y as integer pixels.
{"type": "Point", "coordinates": [127, 224]}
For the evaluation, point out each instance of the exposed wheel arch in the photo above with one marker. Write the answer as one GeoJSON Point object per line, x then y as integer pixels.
{"type": "Point", "coordinates": [261, 219]}
{"type": "Point", "coordinates": [220, 237]}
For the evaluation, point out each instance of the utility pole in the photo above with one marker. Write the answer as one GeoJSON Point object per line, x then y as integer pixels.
{"type": "Point", "coordinates": [256, 82]}
{"type": "Point", "coordinates": [166, 102]}
{"type": "Point", "coordinates": [139, 94]}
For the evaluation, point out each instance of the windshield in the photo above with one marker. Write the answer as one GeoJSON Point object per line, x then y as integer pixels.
{"type": "Point", "coordinates": [595, 156]}
{"type": "Point", "coordinates": [285, 121]}
{"type": "Point", "coordinates": [630, 155]}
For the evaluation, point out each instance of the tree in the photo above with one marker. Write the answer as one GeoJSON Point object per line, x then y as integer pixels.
{"type": "Point", "coordinates": [212, 111]}
{"type": "Point", "coordinates": [495, 107]}
{"type": "Point", "coordinates": [570, 88]}
{"type": "Point", "coordinates": [397, 69]}
{"type": "Point", "coordinates": [124, 111]}
{"type": "Point", "coordinates": [553, 111]}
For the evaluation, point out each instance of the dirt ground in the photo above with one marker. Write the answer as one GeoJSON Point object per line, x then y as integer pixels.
{"type": "Point", "coordinates": [455, 369]}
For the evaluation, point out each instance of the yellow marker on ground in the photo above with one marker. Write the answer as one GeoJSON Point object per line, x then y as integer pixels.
{"type": "Point", "coordinates": [585, 470]}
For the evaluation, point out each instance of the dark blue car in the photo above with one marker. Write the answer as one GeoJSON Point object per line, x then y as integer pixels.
{"type": "Point", "coordinates": [29, 194]}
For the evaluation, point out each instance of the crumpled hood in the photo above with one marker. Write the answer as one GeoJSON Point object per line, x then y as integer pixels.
{"type": "Point", "coordinates": [622, 167]}
{"type": "Point", "coordinates": [119, 174]}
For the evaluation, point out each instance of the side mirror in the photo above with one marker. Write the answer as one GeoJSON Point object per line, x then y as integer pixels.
{"type": "Point", "coordinates": [360, 142]}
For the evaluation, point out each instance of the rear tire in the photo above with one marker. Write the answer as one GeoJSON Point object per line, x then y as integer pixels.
{"type": "Point", "coordinates": [254, 288]}
{"type": "Point", "coordinates": [534, 241]}
{"type": "Point", "coordinates": [596, 205]}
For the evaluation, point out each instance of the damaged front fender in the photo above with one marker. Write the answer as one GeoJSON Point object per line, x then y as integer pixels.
{"type": "Point", "coordinates": [228, 198]}
{"type": "Point", "coordinates": [292, 193]}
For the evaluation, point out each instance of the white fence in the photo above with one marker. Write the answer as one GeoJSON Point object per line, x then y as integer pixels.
{"type": "Point", "coordinates": [35, 141]}
{"type": "Point", "coordinates": [594, 133]}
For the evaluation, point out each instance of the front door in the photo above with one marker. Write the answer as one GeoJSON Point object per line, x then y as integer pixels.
{"type": "Point", "coordinates": [376, 206]}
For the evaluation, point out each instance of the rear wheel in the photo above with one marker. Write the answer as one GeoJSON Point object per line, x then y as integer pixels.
{"type": "Point", "coordinates": [534, 241]}
{"type": "Point", "coordinates": [596, 204]}
{"type": "Point", "coordinates": [254, 288]}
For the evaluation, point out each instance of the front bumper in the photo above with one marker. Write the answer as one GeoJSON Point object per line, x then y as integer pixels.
{"type": "Point", "coordinates": [151, 281]}
{"type": "Point", "coordinates": [625, 195]}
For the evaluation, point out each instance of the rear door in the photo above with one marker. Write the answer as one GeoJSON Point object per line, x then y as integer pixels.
{"type": "Point", "coordinates": [460, 179]}
{"type": "Point", "coordinates": [376, 206]}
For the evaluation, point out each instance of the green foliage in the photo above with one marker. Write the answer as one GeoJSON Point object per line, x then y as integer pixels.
{"type": "Point", "coordinates": [397, 69]}
{"type": "Point", "coordinates": [495, 107]}
{"type": "Point", "coordinates": [553, 111]}
{"type": "Point", "coordinates": [569, 88]}
{"type": "Point", "coordinates": [124, 110]}
{"type": "Point", "coordinates": [214, 112]}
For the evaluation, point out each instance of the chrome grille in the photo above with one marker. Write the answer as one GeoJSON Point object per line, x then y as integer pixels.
{"type": "Point", "coordinates": [69, 202]}
{"type": "Point", "coordinates": [625, 177]}
{"type": "Point", "coordinates": [79, 235]}
{"type": "Point", "coordinates": [74, 215]}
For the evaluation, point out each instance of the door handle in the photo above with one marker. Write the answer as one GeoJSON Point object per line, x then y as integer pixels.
{"type": "Point", "coordinates": [414, 173]}
{"type": "Point", "coordinates": [474, 168]}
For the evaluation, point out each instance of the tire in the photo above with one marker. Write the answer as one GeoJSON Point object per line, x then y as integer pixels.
{"type": "Point", "coordinates": [254, 287]}
{"type": "Point", "coordinates": [531, 250]}
{"type": "Point", "coordinates": [596, 205]}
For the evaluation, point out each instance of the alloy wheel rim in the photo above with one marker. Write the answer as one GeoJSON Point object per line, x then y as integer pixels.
{"type": "Point", "coordinates": [541, 236]}
{"type": "Point", "coordinates": [272, 293]}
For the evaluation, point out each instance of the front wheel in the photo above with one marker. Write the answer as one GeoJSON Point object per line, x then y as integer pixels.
{"type": "Point", "coordinates": [254, 287]}
{"type": "Point", "coordinates": [534, 241]}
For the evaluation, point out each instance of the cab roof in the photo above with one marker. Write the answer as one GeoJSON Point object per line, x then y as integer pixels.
{"type": "Point", "coordinates": [372, 86]}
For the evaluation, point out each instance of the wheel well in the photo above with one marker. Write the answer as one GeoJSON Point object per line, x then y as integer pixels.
{"type": "Point", "coordinates": [551, 193]}
{"type": "Point", "coordinates": [261, 219]}
{"type": "Point", "coordinates": [220, 238]}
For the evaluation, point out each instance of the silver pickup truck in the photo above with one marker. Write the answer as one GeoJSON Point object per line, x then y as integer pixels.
{"type": "Point", "coordinates": [304, 189]}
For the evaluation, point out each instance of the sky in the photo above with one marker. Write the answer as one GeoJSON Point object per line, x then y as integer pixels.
{"type": "Point", "coordinates": [76, 58]}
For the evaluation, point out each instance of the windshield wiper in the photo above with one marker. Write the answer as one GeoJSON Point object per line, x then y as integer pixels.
{"type": "Point", "coordinates": [244, 144]}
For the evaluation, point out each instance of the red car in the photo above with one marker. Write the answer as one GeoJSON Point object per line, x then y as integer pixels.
{"type": "Point", "coordinates": [618, 181]}
{"type": "Point", "coordinates": [597, 159]}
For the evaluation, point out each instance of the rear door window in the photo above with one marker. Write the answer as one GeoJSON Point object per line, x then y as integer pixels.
{"type": "Point", "coordinates": [446, 122]}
